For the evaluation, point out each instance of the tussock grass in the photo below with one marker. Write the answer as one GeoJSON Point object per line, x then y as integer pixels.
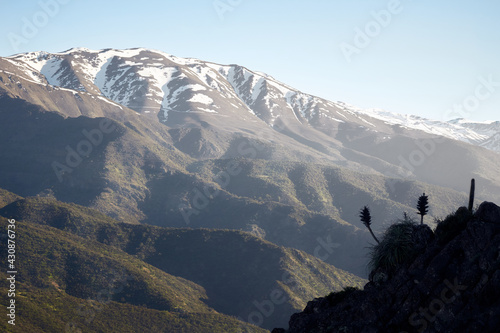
{"type": "Point", "coordinates": [397, 246]}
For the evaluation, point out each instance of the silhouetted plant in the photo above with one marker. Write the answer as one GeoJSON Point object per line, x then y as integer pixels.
{"type": "Point", "coordinates": [406, 217]}
{"type": "Point", "coordinates": [397, 246]}
{"type": "Point", "coordinates": [366, 218]}
{"type": "Point", "coordinates": [471, 195]}
{"type": "Point", "coordinates": [423, 207]}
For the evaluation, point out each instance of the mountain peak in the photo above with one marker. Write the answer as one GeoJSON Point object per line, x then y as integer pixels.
{"type": "Point", "coordinates": [152, 81]}
{"type": "Point", "coordinates": [77, 49]}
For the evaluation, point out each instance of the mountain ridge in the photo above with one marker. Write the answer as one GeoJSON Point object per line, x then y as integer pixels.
{"type": "Point", "coordinates": [198, 146]}
{"type": "Point", "coordinates": [292, 183]}
{"type": "Point", "coordinates": [449, 285]}
{"type": "Point", "coordinates": [257, 91]}
{"type": "Point", "coordinates": [229, 271]}
{"type": "Point", "coordinates": [245, 104]}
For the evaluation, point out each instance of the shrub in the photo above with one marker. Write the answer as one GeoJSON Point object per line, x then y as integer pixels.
{"type": "Point", "coordinates": [399, 245]}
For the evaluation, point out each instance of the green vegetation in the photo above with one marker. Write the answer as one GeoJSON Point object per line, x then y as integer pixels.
{"type": "Point", "coordinates": [78, 220]}
{"type": "Point", "coordinates": [144, 171]}
{"type": "Point", "coordinates": [7, 197]}
{"type": "Point", "coordinates": [45, 310]}
{"type": "Point", "coordinates": [67, 279]}
{"type": "Point", "coordinates": [120, 177]}
{"type": "Point", "coordinates": [398, 246]}
{"type": "Point", "coordinates": [323, 189]}
{"type": "Point", "coordinates": [229, 270]}
{"type": "Point", "coordinates": [51, 258]}
{"type": "Point", "coordinates": [402, 241]}
{"type": "Point", "coordinates": [112, 179]}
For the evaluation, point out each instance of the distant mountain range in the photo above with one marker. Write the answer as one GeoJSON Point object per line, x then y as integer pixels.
{"type": "Point", "coordinates": [148, 138]}
{"type": "Point", "coordinates": [153, 81]}
{"type": "Point", "coordinates": [485, 134]}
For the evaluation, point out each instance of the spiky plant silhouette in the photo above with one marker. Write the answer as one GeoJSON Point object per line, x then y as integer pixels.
{"type": "Point", "coordinates": [471, 195]}
{"type": "Point", "coordinates": [423, 207]}
{"type": "Point", "coordinates": [365, 216]}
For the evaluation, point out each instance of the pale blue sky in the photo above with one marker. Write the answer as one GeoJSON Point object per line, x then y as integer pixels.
{"type": "Point", "coordinates": [429, 58]}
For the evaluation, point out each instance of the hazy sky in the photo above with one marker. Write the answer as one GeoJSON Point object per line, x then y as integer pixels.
{"type": "Point", "coordinates": [437, 59]}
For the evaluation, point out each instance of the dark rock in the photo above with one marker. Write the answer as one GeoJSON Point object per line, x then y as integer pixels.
{"type": "Point", "coordinates": [488, 212]}
{"type": "Point", "coordinates": [451, 286]}
{"type": "Point", "coordinates": [278, 330]}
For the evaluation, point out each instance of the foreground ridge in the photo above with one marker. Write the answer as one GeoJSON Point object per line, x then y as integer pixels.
{"type": "Point", "coordinates": [452, 286]}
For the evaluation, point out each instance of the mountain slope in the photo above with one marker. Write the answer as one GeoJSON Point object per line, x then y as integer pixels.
{"type": "Point", "coordinates": [146, 137]}
{"type": "Point", "coordinates": [90, 285]}
{"type": "Point", "coordinates": [80, 159]}
{"type": "Point", "coordinates": [153, 81]}
{"type": "Point", "coordinates": [7, 197]}
{"type": "Point", "coordinates": [133, 177]}
{"type": "Point", "coordinates": [299, 164]}
{"type": "Point", "coordinates": [245, 105]}
{"type": "Point", "coordinates": [238, 271]}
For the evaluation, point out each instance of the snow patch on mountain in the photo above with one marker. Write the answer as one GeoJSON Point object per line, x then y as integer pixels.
{"type": "Point", "coordinates": [477, 133]}
{"type": "Point", "coordinates": [200, 98]}
{"type": "Point", "coordinates": [159, 78]}
{"type": "Point", "coordinates": [50, 68]}
{"type": "Point", "coordinates": [144, 79]}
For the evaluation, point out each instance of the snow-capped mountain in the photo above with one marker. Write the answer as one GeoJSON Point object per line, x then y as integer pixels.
{"type": "Point", "coordinates": [485, 134]}
{"type": "Point", "coordinates": [149, 81]}
{"type": "Point", "coordinates": [178, 115]}
{"type": "Point", "coordinates": [146, 80]}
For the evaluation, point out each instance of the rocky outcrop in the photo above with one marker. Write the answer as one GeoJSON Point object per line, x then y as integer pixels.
{"type": "Point", "coordinates": [453, 285]}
